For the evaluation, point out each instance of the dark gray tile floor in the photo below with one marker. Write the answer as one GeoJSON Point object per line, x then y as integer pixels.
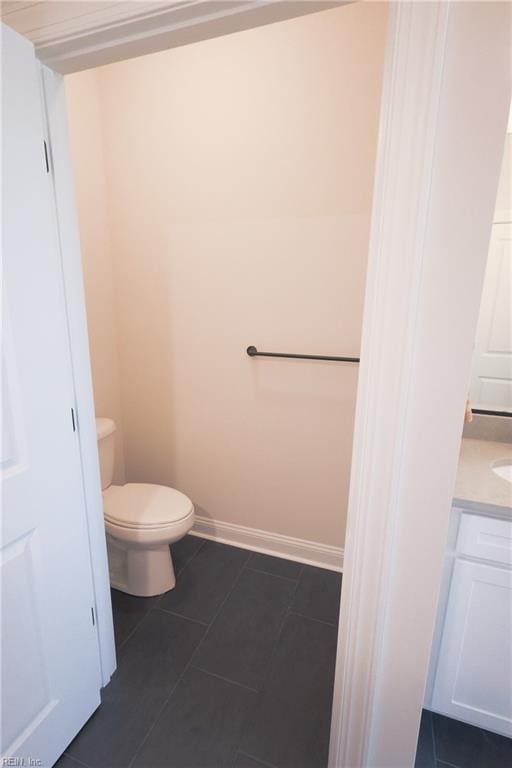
{"type": "Point", "coordinates": [447, 743]}
{"type": "Point", "coordinates": [233, 668]}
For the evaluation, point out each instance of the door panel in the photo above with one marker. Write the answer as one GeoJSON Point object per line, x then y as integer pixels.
{"type": "Point", "coordinates": [50, 659]}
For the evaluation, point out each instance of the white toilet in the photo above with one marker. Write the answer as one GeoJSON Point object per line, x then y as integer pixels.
{"type": "Point", "coordinates": [141, 521]}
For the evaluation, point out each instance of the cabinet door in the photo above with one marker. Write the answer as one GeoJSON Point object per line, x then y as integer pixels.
{"type": "Point", "coordinates": [474, 668]}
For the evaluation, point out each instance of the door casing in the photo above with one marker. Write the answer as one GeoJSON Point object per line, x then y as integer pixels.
{"type": "Point", "coordinates": [445, 103]}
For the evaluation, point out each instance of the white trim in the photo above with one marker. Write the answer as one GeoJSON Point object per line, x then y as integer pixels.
{"type": "Point", "coordinates": [300, 550]}
{"type": "Point", "coordinates": [503, 216]}
{"type": "Point", "coordinates": [54, 96]}
{"type": "Point", "coordinates": [444, 113]}
{"type": "Point", "coordinates": [117, 37]}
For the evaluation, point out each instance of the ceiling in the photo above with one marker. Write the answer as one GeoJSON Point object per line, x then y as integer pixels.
{"type": "Point", "coordinates": [69, 35]}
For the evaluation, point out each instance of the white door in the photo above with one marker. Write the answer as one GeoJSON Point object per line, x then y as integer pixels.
{"type": "Point", "coordinates": [491, 383]}
{"type": "Point", "coordinates": [475, 662]}
{"type": "Point", "coordinates": [50, 660]}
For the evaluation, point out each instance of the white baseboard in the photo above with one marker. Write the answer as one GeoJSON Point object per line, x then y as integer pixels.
{"type": "Point", "coordinates": [269, 543]}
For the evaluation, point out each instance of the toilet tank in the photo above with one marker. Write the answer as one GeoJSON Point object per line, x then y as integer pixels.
{"type": "Point", "coordinates": [105, 429]}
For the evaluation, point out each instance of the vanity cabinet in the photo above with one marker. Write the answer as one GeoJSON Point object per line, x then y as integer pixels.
{"type": "Point", "coordinates": [471, 667]}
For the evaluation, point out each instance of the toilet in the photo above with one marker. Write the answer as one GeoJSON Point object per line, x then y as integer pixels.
{"type": "Point", "coordinates": [141, 521]}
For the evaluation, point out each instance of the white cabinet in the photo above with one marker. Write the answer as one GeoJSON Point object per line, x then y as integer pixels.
{"type": "Point", "coordinates": [485, 538]}
{"type": "Point", "coordinates": [473, 664]}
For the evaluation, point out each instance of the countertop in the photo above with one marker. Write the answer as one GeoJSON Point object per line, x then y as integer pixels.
{"type": "Point", "coordinates": [476, 482]}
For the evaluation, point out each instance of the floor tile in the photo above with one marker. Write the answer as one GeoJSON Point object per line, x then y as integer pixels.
{"type": "Point", "coordinates": [184, 550]}
{"type": "Point", "coordinates": [206, 581]}
{"type": "Point", "coordinates": [289, 723]}
{"type": "Point", "coordinates": [425, 756]}
{"type": "Point", "coordinates": [466, 746]}
{"type": "Point", "coordinates": [244, 761]}
{"type": "Point", "coordinates": [66, 762]}
{"type": "Point", "coordinates": [318, 594]}
{"type": "Point", "coordinates": [277, 566]}
{"type": "Point", "coordinates": [128, 611]}
{"type": "Point", "coordinates": [240, 642]}
{"type": "Point", "coordinates": [150, 663]}
{"type": "Point", "coordinates": [200, 726]}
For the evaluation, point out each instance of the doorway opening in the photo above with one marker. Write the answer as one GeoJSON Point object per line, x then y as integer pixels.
{"type": "Point", "coordinates": [224, 201]}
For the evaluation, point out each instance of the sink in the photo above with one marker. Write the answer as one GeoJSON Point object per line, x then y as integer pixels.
{"type": "Point", "coordinates": [503, 468]}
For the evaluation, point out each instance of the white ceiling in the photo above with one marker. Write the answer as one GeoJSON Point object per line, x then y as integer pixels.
{"type": "Point", "coordinates": [69, 35]}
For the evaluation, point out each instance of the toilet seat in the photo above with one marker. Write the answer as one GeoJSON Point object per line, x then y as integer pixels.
{"type": "Point", "coordinates": [145, 507]}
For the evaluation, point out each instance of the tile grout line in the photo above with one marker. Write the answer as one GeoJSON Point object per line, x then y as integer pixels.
{"type": "Point", "coordinates": [74, 759]}
{"type": "Point", "coordinates": [208, 626]}
{"type": "Point", "coordinates": [184, 671]}
{"type": "Point", "coordinates": [187, 562]}
{"type": "Point", "coordinates": [312, 618]}
{"type": "Point", "coordinates": [256, 759]}
{"type": "Point", "coordinates": [267, 573]}
{"type": "Point", "coordinates": [180, 616]}
{"type": "Point", "coordinates": [221, 606]}
{"type": "Point", "coordinates": [158, 604]}
{"type": "Point", "coordinates": [285, 617]}
{"type": "Point", "coordinates": [287, 613]}
{"type": "Point", "coordinates": [131, 634]}
{"type": "Point", "coordinates": [273, 653]}
{"type": "Point", "coordinates": [225, 679]}
{"type": "Point", "coordinates": [280, 631]}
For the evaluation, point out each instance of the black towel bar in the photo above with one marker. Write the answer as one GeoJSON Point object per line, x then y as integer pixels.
{"type": "Point", "coordinates": [253, 352]}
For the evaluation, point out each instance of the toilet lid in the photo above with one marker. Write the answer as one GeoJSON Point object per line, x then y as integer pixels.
{"type": "Point", "coordinates": [141, 505]}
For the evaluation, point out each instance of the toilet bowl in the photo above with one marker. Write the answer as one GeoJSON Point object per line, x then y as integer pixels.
{"type": "Point", "coordinates": [141, 521]}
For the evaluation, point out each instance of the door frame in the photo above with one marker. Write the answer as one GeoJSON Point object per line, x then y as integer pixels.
{"type": "Point", "coordinates": [445, 102]}
{"type": "Point", "coordinates": [115, 32]}
{"type": "Point", "coordinates": [411, 337]}
{"type": "Point", "coordinates": [55, 114]}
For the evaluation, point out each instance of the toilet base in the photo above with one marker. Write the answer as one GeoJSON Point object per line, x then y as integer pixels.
{"type": "Point", "coordinates": [140, 572]}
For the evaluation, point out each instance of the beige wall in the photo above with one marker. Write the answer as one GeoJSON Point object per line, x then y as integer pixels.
{"type": "Point", "coordinates": [91, 197]}
{"type": "Point", "coordinates": [239, 174]}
